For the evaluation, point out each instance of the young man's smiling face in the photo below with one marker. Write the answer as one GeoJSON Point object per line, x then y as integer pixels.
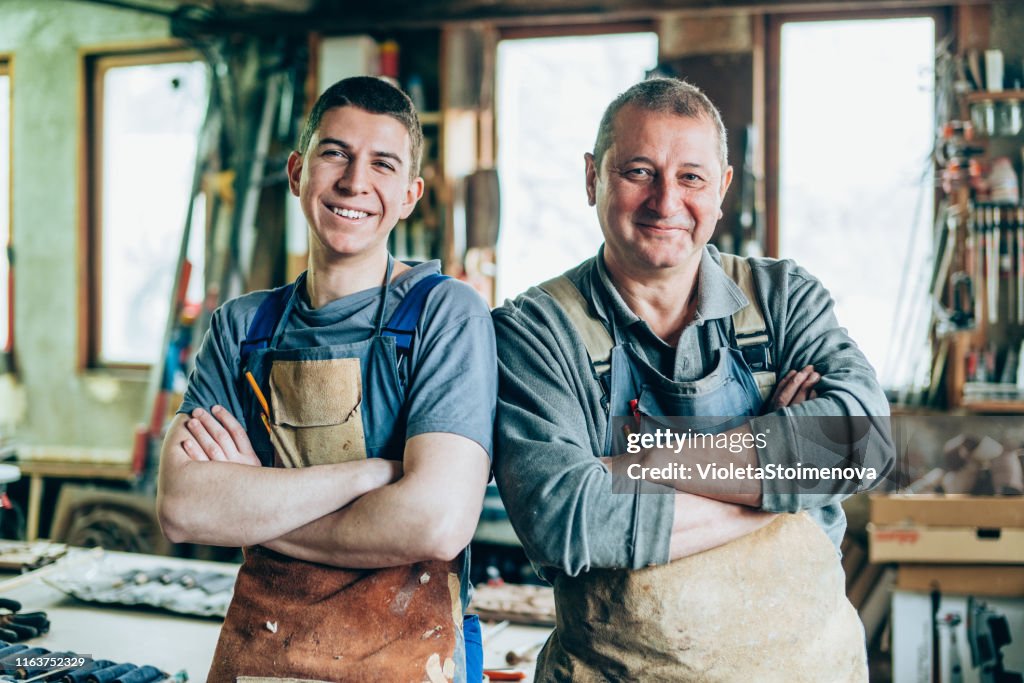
{"type": "Point", "coordinates": [353, 181]}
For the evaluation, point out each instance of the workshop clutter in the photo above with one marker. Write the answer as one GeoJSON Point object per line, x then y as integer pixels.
{"type": "Point", "coordinates": [22, 663]}
{"type": "Point", "coordinates": [16, 625]}
{"type": "Point", "coordinates": [184, 591]}
{"type": "Point", "coordinates": [957, 638]}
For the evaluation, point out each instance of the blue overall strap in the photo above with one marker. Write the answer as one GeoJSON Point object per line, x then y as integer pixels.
{"type": "Point", "coordinates": [402, 325]}
{"type": "Point", "coordinates": [261, 329]}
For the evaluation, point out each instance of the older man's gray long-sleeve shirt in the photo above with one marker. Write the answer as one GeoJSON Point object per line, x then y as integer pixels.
{"type": "Point", "coordinates": [551, 425]}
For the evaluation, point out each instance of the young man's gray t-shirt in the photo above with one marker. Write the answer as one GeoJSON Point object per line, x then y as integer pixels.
{"type": "Point", "coordinates": [452, 369]}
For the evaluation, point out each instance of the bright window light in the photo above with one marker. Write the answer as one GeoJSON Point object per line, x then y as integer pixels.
{"type": "Point", "coordinates": [855, 175]}
{"type": "Point", "coordinates": [5, 204]}
{"type": "Point", "coordinates": [151, 118]}
{"type": "Point", "coordinates": [551, 94]}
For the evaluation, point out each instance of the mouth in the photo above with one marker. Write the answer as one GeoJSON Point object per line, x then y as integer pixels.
{"type": "Point", "coordinates": [348, 213]}
{"type": "Point", "coordinates": [664, 229]}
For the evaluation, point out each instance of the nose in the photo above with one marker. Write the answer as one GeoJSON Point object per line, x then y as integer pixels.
{"type": "Point", "coordinates": [667, 197]}
{"type": "Point", "coordinates": [355, 179]}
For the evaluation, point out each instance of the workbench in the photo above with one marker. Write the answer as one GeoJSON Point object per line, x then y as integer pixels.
{"type": "Point", "coordinates": [168, 641]}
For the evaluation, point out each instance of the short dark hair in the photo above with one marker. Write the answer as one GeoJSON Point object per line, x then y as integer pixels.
{"type": "Point", "coordinates": [669, 95]}
{"type": "Point", "coordinates": [376, 96]}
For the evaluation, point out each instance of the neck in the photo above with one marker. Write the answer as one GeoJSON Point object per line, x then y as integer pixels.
{"type": "Point", "coordinates": [666, 301]}
{"type": "Point", "coordinates": [328, 280]}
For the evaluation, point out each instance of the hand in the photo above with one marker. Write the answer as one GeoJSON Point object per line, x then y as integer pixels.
{"type": "Point", "coordinates": [795, 388]}
{"type": "Point", "coordinates": [218, 437]}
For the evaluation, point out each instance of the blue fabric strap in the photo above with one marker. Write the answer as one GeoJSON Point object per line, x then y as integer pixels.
{"type": "Point", "coordinates": [402, 325]}
{"type": "Point", "coordinates": [261, 329]}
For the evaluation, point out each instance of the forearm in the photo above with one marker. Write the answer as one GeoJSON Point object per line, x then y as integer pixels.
{"type": "Point", "coordinates": [223, 503]}
{"type": "Point", "coordinates": [429, 514]}
{"type": "Point", "coordinates": [695, 466]}
{"type": "Point", "coordinates": [702, 523]}
{"type": "Point", "coordinates": [384, 528]}
{"type": "Point", "coordinates": [832, 455]}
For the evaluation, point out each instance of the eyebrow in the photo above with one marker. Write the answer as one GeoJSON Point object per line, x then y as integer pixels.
{"type": "Point", "coordinates": [344, 145]}
{"type": "Point", "coordinates": [648, 160]}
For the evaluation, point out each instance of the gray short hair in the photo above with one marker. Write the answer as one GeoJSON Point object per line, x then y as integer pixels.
{"type": "Point", "coordinates": [668, 95]}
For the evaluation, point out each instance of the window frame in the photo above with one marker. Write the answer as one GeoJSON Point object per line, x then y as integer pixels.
{"type": "Point", "coordinates": [94, 65]}
{"type": "Point", "coordinates": [943, 18]}
{"type": "Point", "coordinates": [7, 351]}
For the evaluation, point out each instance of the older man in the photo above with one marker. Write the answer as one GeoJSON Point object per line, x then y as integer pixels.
{"type": "Point", "coordinates": [698, 580]}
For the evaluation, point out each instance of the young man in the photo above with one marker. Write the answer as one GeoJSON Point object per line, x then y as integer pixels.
{"type": "Point", "coordinates": [697, 580]}
{"type": "Point", "coordinates": [340, 429]}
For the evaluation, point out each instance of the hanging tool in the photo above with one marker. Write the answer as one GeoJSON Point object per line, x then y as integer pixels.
{"type": "Point", "coordinates": [981, 285]}
{"type": "Point", "coordinates": [1020, 264]}
{"type": "Point", "coordinates": [994, 244]}
{"type": "Point", "coordinates": [969, 263]}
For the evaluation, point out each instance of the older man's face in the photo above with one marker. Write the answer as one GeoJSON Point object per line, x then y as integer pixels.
{"type": "Point", "coordinates": [659, 190]}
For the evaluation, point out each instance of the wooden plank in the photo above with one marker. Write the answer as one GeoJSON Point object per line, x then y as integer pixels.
{"type": "Point", "coordinates": [337, 17]}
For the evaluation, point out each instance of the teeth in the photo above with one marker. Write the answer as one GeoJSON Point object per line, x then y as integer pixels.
{"type": "Point", "coordinates": [349, 213]}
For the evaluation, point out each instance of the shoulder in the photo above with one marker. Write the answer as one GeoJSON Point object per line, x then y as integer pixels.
{"type": "Point", "coordinates": [233, 318]}
{"type": "Point", "coordinates": [535, 313]}
{"type": "Point", "coordinates": [777, 278]}
{"type": "Point", "coordinates": [456, 298]}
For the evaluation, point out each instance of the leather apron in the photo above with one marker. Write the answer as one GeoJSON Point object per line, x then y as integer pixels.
{"type": "Point", "coordinates": [296, 620]}
{"type": "Point", "coordinates": [770, 606]}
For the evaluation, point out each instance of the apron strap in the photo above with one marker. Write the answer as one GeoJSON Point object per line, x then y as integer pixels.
{"type": "Point", "coordinates": [402, 325]}
{"type": "Point", "coordinates": [261, 329]}
{"type": "Point", "coordinates": [749, 328]}
{"type": "Point", "coordinates": [591, 330]}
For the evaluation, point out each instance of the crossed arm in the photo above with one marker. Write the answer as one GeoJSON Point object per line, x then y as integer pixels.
{"type": "Point", "coordinates": [706, 517]}
{"type": "Point", "coordinates": [361, 514]}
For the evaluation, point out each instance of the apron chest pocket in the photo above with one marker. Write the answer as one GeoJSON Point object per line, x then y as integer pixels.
{"type": "Point", "coordinates": [316, 417]}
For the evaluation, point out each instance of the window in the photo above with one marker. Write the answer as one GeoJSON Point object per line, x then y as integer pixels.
{"type": "Point", "coordinates": [855, 175]}
{"type": "Point", "coordinates": [6, 273]}
{"type": "Point", "coordinates": [551, 94]}
{"type": "Point", "coordinates": [145, 113]}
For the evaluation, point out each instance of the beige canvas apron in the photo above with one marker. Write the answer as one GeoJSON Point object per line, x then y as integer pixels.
{"type": "Point", "coordinates": [769, 607]}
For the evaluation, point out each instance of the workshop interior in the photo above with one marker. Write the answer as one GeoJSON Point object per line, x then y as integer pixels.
{"type": "Point", "coordinates": [143, 183]}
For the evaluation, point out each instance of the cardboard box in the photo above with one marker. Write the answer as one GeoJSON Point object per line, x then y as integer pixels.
{"type": "Point", "coordinates": [989, 512]}
{"type": "Point", "coordinates": [947, 529]}
{"type": "Point", "coordinates": [912, 636]}
{"type": "Point", "coordinates": [963, 545]}
{"type": "Point", "coordinates": [979, 580]}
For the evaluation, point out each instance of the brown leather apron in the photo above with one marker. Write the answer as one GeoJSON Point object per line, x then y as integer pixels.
{"type": "Point", "coordinates": [296, 620]}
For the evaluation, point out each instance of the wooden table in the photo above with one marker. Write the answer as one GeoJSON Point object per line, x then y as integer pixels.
{"type": "Point", "coordinates": [124, 634]}
{"type": "Point", "coordinates": [38, 470]}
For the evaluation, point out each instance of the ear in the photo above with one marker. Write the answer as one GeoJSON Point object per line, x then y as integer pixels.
{"type": "Point", "coordinates": [294, 172]}
{"type": "Point", "coordinates": [592, 169]}
{"type": "Point", "coordinates": [726, 182]}
{"type": "Point", "coordinates": [412, 195]}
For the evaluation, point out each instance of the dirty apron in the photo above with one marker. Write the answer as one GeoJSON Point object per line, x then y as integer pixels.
{"type": "Point", "coordinates": [291, 619]}
{"type": "Point", "coordinates": [770, 606]}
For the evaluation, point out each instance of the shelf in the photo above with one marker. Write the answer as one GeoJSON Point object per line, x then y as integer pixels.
{"type": "Point", "coordinates": [999, 407]}
{"type": "Point", "coordinates": [985, 96]}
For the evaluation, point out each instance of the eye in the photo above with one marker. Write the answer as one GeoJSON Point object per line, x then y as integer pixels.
{"type": "Point", "coordinates": [333, 154]}
{"type": "Point", "coordinates": [638, 173]}
{"type": "Point", "coordinates": [691, 178]}
{"type": "Point", "coordinates": [384, 165]}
